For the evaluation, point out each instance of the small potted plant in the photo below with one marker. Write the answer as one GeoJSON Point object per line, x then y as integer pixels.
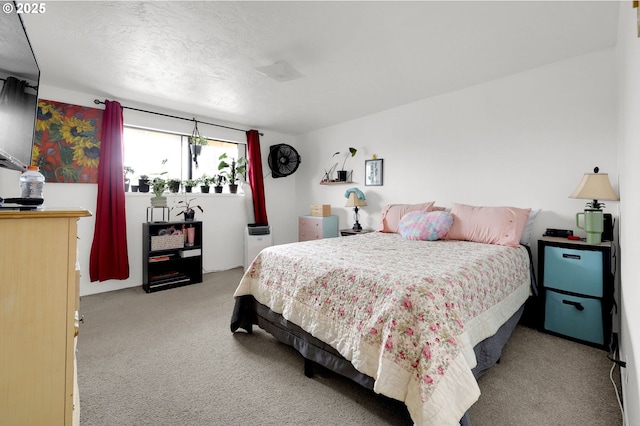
{"type": "Point", "coordinates": [174, 185]}
{"type": "Point", "coordinates": [218, 181]}
{"type": "Point", "coordinates": [143, 183]}
{"type": "Point", "coordinates": [158, 186]}
{"type": "Point", "coordinates": [188, 211]}
{"type": "Point", "coordinates": [342, 173]}
{"type": "Point", "coordinates": [127, 171]}
{"type": "Point", "coordinates": [189, 184]}
{"type": "Point", "coordinates": [233, 170]}
{"type": "Point", "coordinates": [205, 183]}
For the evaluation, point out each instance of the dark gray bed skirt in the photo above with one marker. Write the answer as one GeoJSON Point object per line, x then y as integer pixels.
{"type": "Point", "coordinates": [248, 312]}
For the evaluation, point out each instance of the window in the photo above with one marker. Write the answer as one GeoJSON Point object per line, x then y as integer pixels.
{"type": "Point", "coordinates": [150, 152]}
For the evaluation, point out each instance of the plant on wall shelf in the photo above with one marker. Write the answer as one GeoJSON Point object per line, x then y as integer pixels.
{"type": "Point", "coordinates": [342, 173]}
{"type": "Point", "coordinates": [352, 152]}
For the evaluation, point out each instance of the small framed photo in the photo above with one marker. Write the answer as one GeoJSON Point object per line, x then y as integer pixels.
{"type": "Point", "coordinates": [373, 172]}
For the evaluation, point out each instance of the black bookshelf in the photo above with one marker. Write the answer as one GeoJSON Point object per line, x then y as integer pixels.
{"type": "Point", "coordinates": [168, 259]}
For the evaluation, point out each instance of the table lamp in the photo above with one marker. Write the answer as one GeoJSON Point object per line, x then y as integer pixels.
{"type": "Point", "coordinates": [594, 186]}
{"type": "Point", "coordinates": [355, 199]}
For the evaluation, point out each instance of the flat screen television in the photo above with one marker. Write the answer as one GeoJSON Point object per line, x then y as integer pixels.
{"type": "Point", "coordinates": [20, 76]}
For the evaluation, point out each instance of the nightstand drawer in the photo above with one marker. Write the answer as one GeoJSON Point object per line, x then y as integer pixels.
{"type": "Point", "coordinates": [309, 234]}
{"type": "Point", "coordinates": [310, 223]}
{"type": "Point", "coordinates": [317, 227]}
{"type": "Point", "coordinates": [574, 316]}
{"type": "Point", "coordinates": [576, 271]}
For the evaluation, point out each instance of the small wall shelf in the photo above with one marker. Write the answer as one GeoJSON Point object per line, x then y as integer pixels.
{"type": "Point", "coordinates": [336, 183]}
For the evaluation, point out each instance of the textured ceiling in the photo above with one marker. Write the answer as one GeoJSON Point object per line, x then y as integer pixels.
{"type": "Point", "coordinates": [356, 58]}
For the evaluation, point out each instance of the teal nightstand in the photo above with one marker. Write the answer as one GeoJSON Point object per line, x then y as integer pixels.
{"type": "Point", "coordinates": [577, 289]}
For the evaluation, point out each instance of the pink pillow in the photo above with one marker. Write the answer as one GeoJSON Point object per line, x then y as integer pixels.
{"type": "Point", "coordinates": [392, 213]}
{"type": "Point", "coordinates": [489, 225]}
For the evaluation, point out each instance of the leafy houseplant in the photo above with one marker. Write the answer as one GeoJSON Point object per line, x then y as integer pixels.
{"type": "Point", "coordinates": [158, 186]}
{"type": "Point", "coordinates": [342, 173]}
{"type": "Point", "coordinates": [127, 171]}
{"type": "Point", "coordinates": [233, 170]}
{"type": "Point", "coordinates": [188, 211]}
{"type": "Point", "coordinates": [196, 142]}
{"type": "Point", "coordinates": [205, 183]}
{"type": "Point", "coordinates": [143, 183]}
{"type": "Point", "coordinates": [189, 184]}
{"type": "Point", "coordinates": [219, 180]}
{"type": "Point", "coordinates": [174, 185]}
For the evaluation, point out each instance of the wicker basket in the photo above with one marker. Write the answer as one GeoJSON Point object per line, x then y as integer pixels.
{"type": "Point", "coordinates": [167, 242]}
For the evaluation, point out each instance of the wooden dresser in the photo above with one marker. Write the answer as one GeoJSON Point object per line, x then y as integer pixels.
{"type": "Point", "coordinates": [39, 298]}
{"type": "Point", "coordinates": [317, 227]}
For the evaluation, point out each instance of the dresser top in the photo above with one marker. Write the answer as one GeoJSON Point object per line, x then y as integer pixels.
{"type": "Point", "coordinates": [44, 213]}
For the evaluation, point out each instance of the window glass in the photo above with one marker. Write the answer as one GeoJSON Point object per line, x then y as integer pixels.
{"type": "Point", "coordinates": [154, 153]}
{"type": "Point", "coordinates": [151, 153]}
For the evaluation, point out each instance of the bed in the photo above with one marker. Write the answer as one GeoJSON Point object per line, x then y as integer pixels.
{"type": "Point", "coordinates": [417, 321]}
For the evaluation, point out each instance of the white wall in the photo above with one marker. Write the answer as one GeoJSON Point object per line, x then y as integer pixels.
{"type": "Point", "coordinates": [628, 51]}
{"type": "Point", "coordinates": [224, 216]}
{"type": "Point", "coordinates": [525, 140]}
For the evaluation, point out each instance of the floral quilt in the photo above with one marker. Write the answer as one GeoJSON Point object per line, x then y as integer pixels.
{"type": "Point", "coordinates": [406, 313]}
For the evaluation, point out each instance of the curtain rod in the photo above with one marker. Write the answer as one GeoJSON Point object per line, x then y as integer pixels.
{"type": "Point", "coordinates": [97, 102]}
{"type": "Point", "coordinates": [28, 85]}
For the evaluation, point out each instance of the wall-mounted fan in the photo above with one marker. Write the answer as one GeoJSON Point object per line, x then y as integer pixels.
{"type": "Point", "coordinates": [283, 160]}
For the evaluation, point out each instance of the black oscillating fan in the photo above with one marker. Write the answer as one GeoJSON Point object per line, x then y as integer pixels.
{"type": "Point", "coordinates": [283, 160]}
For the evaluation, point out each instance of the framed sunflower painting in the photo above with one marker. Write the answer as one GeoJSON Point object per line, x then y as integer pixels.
{"type": "Point", "coordinates": [67, 142]}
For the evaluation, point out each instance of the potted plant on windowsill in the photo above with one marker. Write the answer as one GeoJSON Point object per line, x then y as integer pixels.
{"type": "Point", "coordinates": [218, 181]}
{"type": "Point", "coordinates": [233, 170]}
{"type": "Point", "coordinates": [143, 183]}
{"type": "Point", "coordinates": [205, 183]}
{"type": "Point", "coordinates": [188, 211]}
{"type": "Point", "coordinates": [127, 171]}
{"type": "Point", "coordinates": [189, 184]}
{"type": "Point", "coordinates": [174, 185]}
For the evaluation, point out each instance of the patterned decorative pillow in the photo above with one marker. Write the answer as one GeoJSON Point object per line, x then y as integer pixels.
{"type": "Point", "coordinates": [425, 226]}
{"type": "Point", "coordinates": [392, 213]}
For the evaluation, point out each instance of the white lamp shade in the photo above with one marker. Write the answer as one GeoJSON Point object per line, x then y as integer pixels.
{"type": "Point", "coordinates": [354, 201]}
{"type": "Point", "coordinates": [595, 186]}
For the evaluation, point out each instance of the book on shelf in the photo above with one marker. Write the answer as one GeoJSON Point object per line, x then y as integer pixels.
{"type": "Point", "coordinates": [168, 278]}
{"type": "Point", "coordinates": [190, 253]}
{"type": "Point", "coordinates": [160, 258]}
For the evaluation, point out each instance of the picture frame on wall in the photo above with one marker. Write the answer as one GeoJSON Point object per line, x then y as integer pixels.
{"type": "Point", "coordinates": [373, 172]}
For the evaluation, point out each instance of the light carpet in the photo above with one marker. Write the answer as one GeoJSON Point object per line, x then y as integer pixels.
{"type": "Point", "coordinates": [169, 358]}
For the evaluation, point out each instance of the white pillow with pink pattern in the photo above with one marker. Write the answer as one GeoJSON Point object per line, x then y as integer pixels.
{"type": "Point", "coordinates": [423, 226]}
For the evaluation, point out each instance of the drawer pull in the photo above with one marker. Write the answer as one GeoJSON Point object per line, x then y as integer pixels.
{"type": "Point", "coordinates": [577, 305]}
{"type": "Point", "coordinates": [571, 256]}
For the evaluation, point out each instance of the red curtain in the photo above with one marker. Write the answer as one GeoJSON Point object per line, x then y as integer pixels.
{"type": "Point", "coordinates": [109, 257]}
{"type": "Point", "coordinates": [255, 177]}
